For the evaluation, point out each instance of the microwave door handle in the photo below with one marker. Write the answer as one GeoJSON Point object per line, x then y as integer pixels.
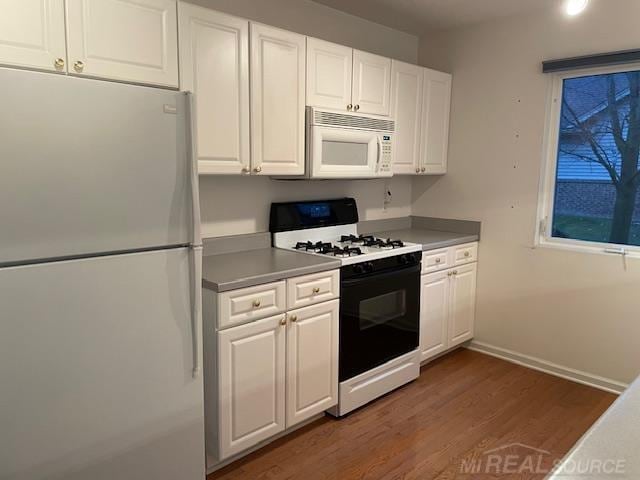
{"type": "Point", "coordinates": [378, 156]}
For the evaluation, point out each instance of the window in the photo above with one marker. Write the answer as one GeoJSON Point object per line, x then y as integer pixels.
{"type": "Point", "coordinates": [590, 196]}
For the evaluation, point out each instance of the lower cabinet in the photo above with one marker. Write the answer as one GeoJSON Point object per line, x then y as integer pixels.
{"type": "Point", "coordinates": [251, 383]}
{"type": "Point", "coordinates": [272, 374]}
{"type": "Point", "coordinates": [312, 361]}
{"type": "Point", "coordinates": [447, 310]}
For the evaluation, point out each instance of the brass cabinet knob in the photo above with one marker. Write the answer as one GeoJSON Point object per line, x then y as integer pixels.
{"type": "Point", "coordinates": [316, 289]}
{"type": "Point", "coordinates": [438, 260]}
{"type": "Point", "coordinates": [246, 170]}
{"type": "Point", "coordinates": [256, 303]}
{"type": "Point", "coordinates": [449, 274]}
{"type": "Point", "coordinates": [59, 62]}
{"type": "Point", "coordinates": [349, 107]}
{"type": "Point", "coordinates": [293, 318]}
{"type": "Point", "coordinates": [78, 66]}
{"type": "Point", "coordinates": [418, 170]}
{"type": "Point", "coordinates": [423, 169]}
{"type": "Point", "coordinates": [257, 169]}
{"type": "Point", "coordinates": [356, 108]}
{"type": "Point", "coordinates": [467, 254]}
{"type": "Point", "coordinates": [455, 272]}
{"type": "Point", "coordinates": [283, 320]}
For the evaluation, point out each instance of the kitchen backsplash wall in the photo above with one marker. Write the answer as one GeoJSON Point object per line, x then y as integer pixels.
{"type": "Point", "coordinates": [235, 205]}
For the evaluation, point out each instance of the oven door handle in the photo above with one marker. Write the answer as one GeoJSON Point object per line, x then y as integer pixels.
{"type": "Point", "coordinates": [380, 276]}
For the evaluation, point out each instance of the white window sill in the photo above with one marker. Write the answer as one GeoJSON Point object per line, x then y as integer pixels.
{"type": "Point", "coordinates": [610, 249]}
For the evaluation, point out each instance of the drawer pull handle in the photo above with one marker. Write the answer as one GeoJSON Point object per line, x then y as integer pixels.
{"type": "Point", "coordinates": [256, 303]}
{"type": "Point", "coordinates": [316, 290]}
{"type": "Point", "coordinates": [467, 254]}
{"type": "Point", "coordinates": [293, 318]}
{"type": "Point", "coordinates": [438, 260]}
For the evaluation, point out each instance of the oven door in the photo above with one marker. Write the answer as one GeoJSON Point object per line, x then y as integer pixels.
{"type": "Point", "coordinates": [379, 319]}
{"type": "Point", "coordinates": [343, 152]}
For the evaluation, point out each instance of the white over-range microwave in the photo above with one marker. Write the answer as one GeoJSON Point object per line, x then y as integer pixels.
{"type": "Point", "coordinates": [348, 145]}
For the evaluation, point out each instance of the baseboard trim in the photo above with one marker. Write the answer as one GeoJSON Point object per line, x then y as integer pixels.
{"type": "Point", "coordinates": [541, 365]}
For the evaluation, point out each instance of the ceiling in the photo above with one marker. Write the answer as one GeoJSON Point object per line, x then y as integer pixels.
{"type": "Point", "coordinates": [419, 16]}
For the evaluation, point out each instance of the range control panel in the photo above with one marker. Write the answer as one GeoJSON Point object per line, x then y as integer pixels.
{"type": "Point", "coordinates": [386, 156]}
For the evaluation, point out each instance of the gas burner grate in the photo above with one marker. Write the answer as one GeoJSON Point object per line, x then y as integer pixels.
{"type": "Point", "coordinates": [317, 247]}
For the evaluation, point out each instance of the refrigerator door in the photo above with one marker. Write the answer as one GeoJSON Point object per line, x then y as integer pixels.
{"type": "Point", "coordinates": [96, 370]}
{"type": "Point", "coordinates": [90, 167]}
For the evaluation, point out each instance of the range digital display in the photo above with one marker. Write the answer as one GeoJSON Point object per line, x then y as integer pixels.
{"type": "Point", "coordinates": [314, 210]}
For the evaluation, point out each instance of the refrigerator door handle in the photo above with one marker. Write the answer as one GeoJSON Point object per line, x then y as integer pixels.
{"type": "Point", "coordinates": [193, 163]}
{"type": "Point", "coordinates": [196, 258]}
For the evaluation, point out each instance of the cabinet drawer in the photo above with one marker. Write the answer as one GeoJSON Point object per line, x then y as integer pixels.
{"type": "Point", "coordinates": [314, 288]}
{"type": "Point", "coordinates": [248, 304]}
{"type": "Point", "coordinates": [464, 254]}
{"type": "Point", "coordinates": [436, 260]}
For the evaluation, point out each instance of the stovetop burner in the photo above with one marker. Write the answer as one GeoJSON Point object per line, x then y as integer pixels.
{"type": "Point", "coordinates": [371, 241]}
{"type": "Point", "coordinates": [327, 248]}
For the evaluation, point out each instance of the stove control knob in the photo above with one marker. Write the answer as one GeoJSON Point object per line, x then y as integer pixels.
{"type": "Point", "coordinates": [358, 269]}
{"type": "Point", "coordinates": [368, 267]}
{"type": "Point", "coordinates": [411, 258]}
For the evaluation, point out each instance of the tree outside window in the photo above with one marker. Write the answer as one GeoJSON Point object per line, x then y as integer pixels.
{"type": "Point", "coordinates": [598, 176]}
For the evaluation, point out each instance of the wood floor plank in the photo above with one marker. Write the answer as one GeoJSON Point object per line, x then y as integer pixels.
{"type": "Point", "coordinates": [463, 406]}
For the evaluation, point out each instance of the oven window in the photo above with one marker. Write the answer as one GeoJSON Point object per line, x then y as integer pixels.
{"type": "Point", "coordinates": [382, 309]}
{"type": "Point", "coordinates": [345, 153]}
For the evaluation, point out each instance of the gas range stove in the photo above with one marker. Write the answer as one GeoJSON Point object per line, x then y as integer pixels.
{"type": "Point", "coordinates": [379, 327]}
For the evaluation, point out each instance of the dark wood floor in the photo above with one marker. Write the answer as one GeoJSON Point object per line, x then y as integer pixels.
{"type": "Point", "coordinates": [463, 407]}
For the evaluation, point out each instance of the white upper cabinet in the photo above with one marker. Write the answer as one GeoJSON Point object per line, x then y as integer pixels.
{"type": "Point", "coordinates": [436, 106]}
{"type": "Point", "coordinates": [277, 101]}
{"type": "Point", "coordinates": [406, 110]}
{"type": "Point", "coordinates": [371, 83]}
{"type": "Point", "coordinates": [126, 40]}
{"type": "Point", "coordinates": [214, 65]}
{"type": "Point", "coordinates": [32, 34]}
{"type": "Point", "coordinates": [329, 74]}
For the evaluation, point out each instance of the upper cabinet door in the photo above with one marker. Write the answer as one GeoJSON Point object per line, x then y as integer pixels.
{"type": "Point", "coordinates": [463, 304]}
{"type": "Point", "coordinates": [127, 40]}
{"type": "Point", "coordinates": [329, 73]}
{"type": "Point", "coordinates": [277, 101]}
{"type": "Point", "coordinates": [312, 361]}
{"type": "Point", "coordinates": [436, 106]}
{"type": "Point", "coordinates": [371, 83]}
{"type": "Point", "coordinates": [32, 34]}
{"type": "Point", "coordinates": [406, 108]}
{"type": "Point", "coordinates": [214, 53]}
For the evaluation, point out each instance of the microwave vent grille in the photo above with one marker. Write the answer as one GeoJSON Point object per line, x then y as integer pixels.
{"type": "Point", "coordinates": [332, 119]}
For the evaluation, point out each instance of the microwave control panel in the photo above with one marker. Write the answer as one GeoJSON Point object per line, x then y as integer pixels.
{"type": "Point", "coordinates": [385, 156]}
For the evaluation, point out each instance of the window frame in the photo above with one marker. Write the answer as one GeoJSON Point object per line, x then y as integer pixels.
{"type": "Point", "coordinates": [546, 194]}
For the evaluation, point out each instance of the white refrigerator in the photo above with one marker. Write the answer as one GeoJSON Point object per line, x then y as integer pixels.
{"type": "Point", "coordinates": [100, 277]}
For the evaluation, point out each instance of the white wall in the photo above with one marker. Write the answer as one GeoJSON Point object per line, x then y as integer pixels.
{"type": "Point", "coordinates": [577, 310]}
{"type": "Point", "coordinates": [236, 205]}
